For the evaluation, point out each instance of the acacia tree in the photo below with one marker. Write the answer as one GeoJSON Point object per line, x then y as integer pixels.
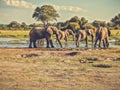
{"type": "Point", "coordinates": [45, 14]}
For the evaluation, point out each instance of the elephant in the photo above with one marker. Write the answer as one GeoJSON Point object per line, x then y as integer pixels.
{"type": "Point", "coordinates": [102, 34]}
{"type": "Point", "coordinates": [41, 33]}
{"type": "Point", "coordinates": [84, 35]}
{"type": "Point", "coordinates": [64, 34]}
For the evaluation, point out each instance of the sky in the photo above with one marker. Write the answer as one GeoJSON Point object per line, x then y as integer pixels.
{"type": "Point", "coordinates": [22, 10]}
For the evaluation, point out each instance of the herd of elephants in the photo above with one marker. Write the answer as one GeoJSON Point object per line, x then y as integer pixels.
{"type": "Point", "coordinates": [100, 34]}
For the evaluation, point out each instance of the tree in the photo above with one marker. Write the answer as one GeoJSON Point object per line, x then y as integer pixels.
{"type": "Point", "coordinates": [24, 25]}
{"type": "Point", "coordinates": [73, 26]}
{"type": "Point", "coordinates": [3, 27]}
{"type": "Point", "coordinates": [97, 23]}
{"type": "Point", "coordinates": [110, 25]}
{"type": "Point", "coordinates": [14, 25]}
{"type": "Point", "coordinates": [83, 22]}
{"type": "Point", "coordinates": [116, 21]}
{"type": "Point", "coordinates": [45, 14]}
{"type": "Point", "coordinates": [75, 19]}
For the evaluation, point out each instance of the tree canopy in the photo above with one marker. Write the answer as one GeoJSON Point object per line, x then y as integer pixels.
{"type": "Point", "coordinates": [97, 23]}
{"type": "Point", "coordinates": [45, 14]}
{"type": "Point", "coordinates": [116, 21]}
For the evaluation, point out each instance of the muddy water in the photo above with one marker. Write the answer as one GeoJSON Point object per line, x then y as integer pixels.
{"type": "Point", "coordinates": [14, 42]}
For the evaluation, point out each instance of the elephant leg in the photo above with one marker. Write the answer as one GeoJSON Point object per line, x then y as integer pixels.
{"type": "Point", "coordinates": [96, 42]}
{"type": "Point", "coordinates": [107, 43]}
{"type": "Point", "coordinates": [51, 43]}
{"type": "Point", "coordinates": [57, 37]}
{"type": "Point", "coordinates": [78, 39]}
{"type": "Point", "coordinates": [65, 38]}
{"type": "Point", "coordinates": [47, 43]}
{"type": "Point", "coordinates": [73, 37]}
{"type": "Point", "coordinates": [100, 43]}
{"type": "Point", "coordinates": [92, 39]}
{"type": "Point", "coordinates": [86, 42]}
{"type": "Point", "coordinates": [59, 43]}
{"type": "Point", "coordinates": [77, 43]}
{"type": "Point", "coordinates": [34, 44]}
{"type": "Point", "coordinates": [30, 44]}
{"type": "Point", "coordinates": [104, 43]}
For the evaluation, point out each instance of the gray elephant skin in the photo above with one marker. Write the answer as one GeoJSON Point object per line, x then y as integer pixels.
{"type": "Point", "coordinates": [40, 33]}
{"type": "Point", "coordinates": [102, 35]}
{"type": "Point", "coordinates": [84, 35]}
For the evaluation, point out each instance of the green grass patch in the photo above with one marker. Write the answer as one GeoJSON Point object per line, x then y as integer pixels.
{"type": "Point", "coordinates": [14, 33]}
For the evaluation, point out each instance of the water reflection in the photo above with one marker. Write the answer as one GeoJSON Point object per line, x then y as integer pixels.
{"type": "Point", "coordinates": [15, 42]}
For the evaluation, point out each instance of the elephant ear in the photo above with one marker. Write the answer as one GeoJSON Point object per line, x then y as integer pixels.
{"type": "Point", "coordinates": [49, 30]}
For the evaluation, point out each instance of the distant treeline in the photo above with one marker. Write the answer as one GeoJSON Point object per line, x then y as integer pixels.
{"type": "Point", "coordinates": [74, 23]}
{"type": "Point", "coordinates": [14, 25]}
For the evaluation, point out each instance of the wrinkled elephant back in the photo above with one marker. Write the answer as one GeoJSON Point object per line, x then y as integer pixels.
{"type": "Point", "coordinates": [37, 32]}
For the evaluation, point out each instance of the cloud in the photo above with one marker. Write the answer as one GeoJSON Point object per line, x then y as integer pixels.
{"type": "Point", "coordinates": [70, 9]}
{"type": "Point", "coordinates": [25, 4]}
{"type": "Point", "coordinates": [18, 3]}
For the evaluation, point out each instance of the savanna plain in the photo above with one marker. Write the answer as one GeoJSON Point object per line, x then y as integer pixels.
{"type": "Point", "coordinates": [59, 69]}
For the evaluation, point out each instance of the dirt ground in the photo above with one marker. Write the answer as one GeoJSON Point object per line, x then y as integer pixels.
{"type": "Point", "coordinates": [59, 69]}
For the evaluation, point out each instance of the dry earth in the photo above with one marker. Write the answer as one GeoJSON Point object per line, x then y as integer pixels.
{"type": "Point", "coordinates": [59, 69]}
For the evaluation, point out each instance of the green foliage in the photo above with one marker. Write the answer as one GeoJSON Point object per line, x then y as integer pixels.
{"type": "Point", "coordinates": [116, 20]}
{"type": "Point", "coordinates": [24, 26]}
{"type": "Point", "coordinates": [14, 24]}
{"type": "Point", "coordinates": [75, 19]}
{"type": "Point", "coordinates": [97, 23]}
{"type": "Point", "coordinates": [83, 22]}
{"type": "Point", "coordinates": [45, 14]}
{"type": "Point", "coordinates": [3, 26]}
{"type": "Point", "coordinates": [73, 25]}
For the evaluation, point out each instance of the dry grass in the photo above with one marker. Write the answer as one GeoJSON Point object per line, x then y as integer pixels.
{"type": "Point", "coordinates": [115, 34]}
{"type": "Point", "coordinates": [59, 69]}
